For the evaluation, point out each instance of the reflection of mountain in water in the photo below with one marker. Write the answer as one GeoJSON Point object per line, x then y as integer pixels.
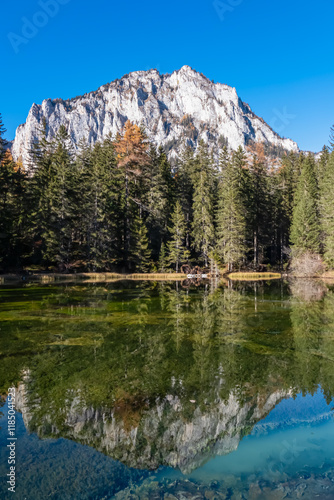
{"type": "Point", "coordinates": [162, 436]}
{"type": "Point", "coordinates": [152, 375]}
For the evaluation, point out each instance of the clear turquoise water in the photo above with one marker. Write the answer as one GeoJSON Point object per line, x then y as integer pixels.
{"type": "Point", "coordinates": [149, 390]}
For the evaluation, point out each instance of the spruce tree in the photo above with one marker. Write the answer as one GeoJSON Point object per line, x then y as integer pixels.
{"type": "Point", "coordinates": [52, 164]}
{"type": "Point", "coordinates": [305, 229]}
{"type": "Point", "coordinates": [258, 214]}
{"type": "Point", "coordinates": [327, 212]}
{"type": "Point", "coordinates": [3, 142]}
{"type": "Point", "coordinates": [185, 188]}
{"type": "Point", "coordinates": [13, 210]}
{"type": "Point", "coordinates": [168, 181]}
{"type": "Point", "coordinates": [322, 164]}
{"type": "Point", "coordinates": [202, 225]}
{"type": "Point", "coordinates": [283, 183]}
{"type": "Point", "coordinates": [155, 197]}
{"type": "Point", "coordinates": [140, 254]}
{"type": "Point", "coordinates": [103, 207]}
{"type": "Point", "coordinates": [59, 231]}
{"type": "Point", "coordinates": [177, 252]}
{"type": "Point", "coordinates": [163, 261]}
{"type": "Point", "coordinates": [331, 139]}
{"type": "Point", "coordinates": [43, 169]}
{"type": "Point", "coordinates": [231, 224]}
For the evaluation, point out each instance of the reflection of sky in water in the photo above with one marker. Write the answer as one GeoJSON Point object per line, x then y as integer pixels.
{"type": "Point", "coordinates": [297, 437]}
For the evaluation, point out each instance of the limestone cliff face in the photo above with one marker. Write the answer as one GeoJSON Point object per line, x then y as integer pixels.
{"type": "Point", "coordinates": [162, 435]}
{"type": "Point", "coordinates": [178, 108]}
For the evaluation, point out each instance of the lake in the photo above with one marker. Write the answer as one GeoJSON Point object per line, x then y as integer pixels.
{"type": "Point", "coordinates": [145, 390]}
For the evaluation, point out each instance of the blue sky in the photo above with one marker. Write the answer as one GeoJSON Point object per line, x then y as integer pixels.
{"type": "Point", "coordinates": [279, 55]}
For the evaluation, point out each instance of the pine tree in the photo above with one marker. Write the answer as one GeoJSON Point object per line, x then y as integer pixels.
{"type": "Point", "coordinates": [327, 212]}
{"type": "Point", "coordinates": [231, 224]}
{"type": "Point", "coordinates": [177, 252]}
{"type": "Point", "coordinates": [305, 229]}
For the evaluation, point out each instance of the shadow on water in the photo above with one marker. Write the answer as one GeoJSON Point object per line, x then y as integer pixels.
{"type": "Point", "coordinates": [144, 390]}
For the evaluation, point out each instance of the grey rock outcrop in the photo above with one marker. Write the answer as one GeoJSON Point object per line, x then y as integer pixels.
{"type": "Point", "coordinates": [162, 436]}
{"type": "Point", "coordinates": [178, 108]}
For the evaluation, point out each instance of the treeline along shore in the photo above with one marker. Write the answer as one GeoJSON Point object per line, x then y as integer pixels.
{"type": "Point", "coordinates": [120, 207]}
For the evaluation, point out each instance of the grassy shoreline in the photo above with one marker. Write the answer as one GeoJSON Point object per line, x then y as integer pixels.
{"type": "Point", "coordinates": [252, 276]}
{"type": "Point", "coordinates": [89, 277]}
{"type": "Point", "coordinates": [112, 277]}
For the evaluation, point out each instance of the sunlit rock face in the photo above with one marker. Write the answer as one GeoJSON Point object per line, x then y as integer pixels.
{"type": "Point", "coordinates": [168, 432]}
{"type": "Point", "coordinates": [175, 109]}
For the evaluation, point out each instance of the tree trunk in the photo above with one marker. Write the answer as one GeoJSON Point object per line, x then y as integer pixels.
{"type": "Point", "coordinates": [256, 250]}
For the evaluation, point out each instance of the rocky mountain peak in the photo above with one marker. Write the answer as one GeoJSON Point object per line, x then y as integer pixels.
{"type": "Point", "coordinates": [175, 109]}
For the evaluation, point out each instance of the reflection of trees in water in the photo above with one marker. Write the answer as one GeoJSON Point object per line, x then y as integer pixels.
{"type": "Point", "coordinates": [308, 290]}
{"type": "Point", "coordinates": [144, 342]}
{"type": "Point", "coordinates": [312, 319]}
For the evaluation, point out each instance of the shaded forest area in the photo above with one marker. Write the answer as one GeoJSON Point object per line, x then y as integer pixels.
{"type": "Point", "coordinates": [119, 206]}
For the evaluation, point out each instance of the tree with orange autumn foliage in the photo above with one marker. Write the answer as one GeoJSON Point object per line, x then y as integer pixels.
{"type": "Point", "coordinates": [131, 148]}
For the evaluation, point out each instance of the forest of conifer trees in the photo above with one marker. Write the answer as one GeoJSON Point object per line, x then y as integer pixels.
{"type": "Point", "coordinates": [119, 206]}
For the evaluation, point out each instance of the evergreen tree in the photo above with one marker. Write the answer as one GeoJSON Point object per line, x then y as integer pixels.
{"type": "Point", "coordinates": [3, 142]}
{"type": "Point", "coordinates": [103, 208]}
{"type": "Point", "coordinates": [327, 212]}
{"type": "Point", "coordinates": [163, 261]}
{"type": "Point", "coordinates": [258, 214]}
{"type": "Point", "coordinates": [13, 230]}
{"type": "Point", "coordinates": [305, 229]}
{"type": "Point", "coordinates": [202, 225]}
{"type": "Point", "coordinates": [141, 254]}
{"type": "Point", "coordinates": [224, 159]}
{"type": "Point", "coordinates": [283, 182]}
{"type": "Point", "coordinates": [322, 164]}
{"type": "Point", "coordinates": [231, 224]}
{"type": "Point", "coordinates": [331, 139]}
{"type": "Point", "coordinates": [185, 189]}
{"type": "Point", "coordinates": [157, 206]}
{"type": "Point", "coordinates": [58, 234]}
{"type": "Point", "coordinates": [177, 252]}
{"type": "Point", "coordinates": [168, 181]}
{"type": "Point", "coordinates": [52, 164]}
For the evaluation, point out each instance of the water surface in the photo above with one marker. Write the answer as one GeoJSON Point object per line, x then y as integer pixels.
{"type": "Point", "coordinates": [154, 390]}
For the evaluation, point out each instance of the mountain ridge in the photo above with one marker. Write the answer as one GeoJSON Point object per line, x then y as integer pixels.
{"type": "Point", "coordinates": [175, 109]}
